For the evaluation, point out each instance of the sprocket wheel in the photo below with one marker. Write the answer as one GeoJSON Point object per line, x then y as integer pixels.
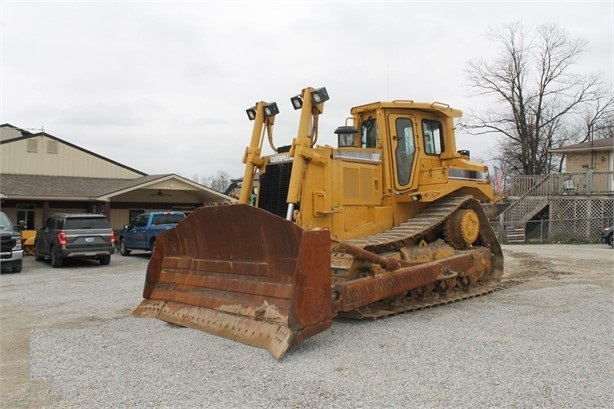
{"type": "Point", "coordinates": [462, 228]}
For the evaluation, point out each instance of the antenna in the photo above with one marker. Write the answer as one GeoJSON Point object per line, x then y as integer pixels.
{"type": "Point", "coordinates": [42, 129]}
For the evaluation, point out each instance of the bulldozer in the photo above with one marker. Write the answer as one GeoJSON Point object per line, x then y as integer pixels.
{"type": "Point", "coordinates": [27, 241]}
{"type": "Point", "coordinates": [390, 220]}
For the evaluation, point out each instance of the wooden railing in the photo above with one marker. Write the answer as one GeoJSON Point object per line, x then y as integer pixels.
{"type": "Point", "coordinates": [529, 203]}
{"type": "Point", "coordinates": [580, 183]}
{"type": "Point", "coordinates": [531, 194]}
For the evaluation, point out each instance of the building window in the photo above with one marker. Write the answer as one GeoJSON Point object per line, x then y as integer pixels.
{"type": "Point", "coordinates": [134, 213]}
{"type": "Point", "coordinates": [26, 213]}
{"type": "Point", "coordinates": [52, 147]}
{"type": "Point", "coordinates": [32, 145]}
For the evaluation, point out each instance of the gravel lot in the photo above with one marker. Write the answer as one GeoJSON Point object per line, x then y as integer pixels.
{"type": "Point", "coordinates": [546, 339]}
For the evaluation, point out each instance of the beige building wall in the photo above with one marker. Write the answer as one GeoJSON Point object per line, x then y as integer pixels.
{"type": "Point", "coordinates": [595, 162]}
{"type": "Point", "coordinates": [41, 155]}
{"type": "Point", "coordinates": [582, 161]}
{"type": "Point", "coordinates": [118, 218]}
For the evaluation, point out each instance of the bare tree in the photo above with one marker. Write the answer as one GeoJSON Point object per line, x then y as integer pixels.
{"type": "Point", "coordinates": [597, 118]}
{"type": "Point", "coordinates": [220, 182]}
{"type": "Point", "coordinates": [537, 96]}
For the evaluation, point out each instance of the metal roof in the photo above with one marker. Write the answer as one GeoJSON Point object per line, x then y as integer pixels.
{"type": "Point", "coordinates": [606, 144]}
{"type": "Point", "coordinates": [41, 187]}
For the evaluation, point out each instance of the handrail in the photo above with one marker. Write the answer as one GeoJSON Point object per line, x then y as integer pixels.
{"type": "Point", "coordinates": [567, 183]}
{"type": "Point", "coordinates": [535, 191]}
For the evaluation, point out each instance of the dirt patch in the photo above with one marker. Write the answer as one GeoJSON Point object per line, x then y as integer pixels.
{"type": "Point", "coordinates": [527, 267]}
{"type": "Point", "coordinates": [541, 265]}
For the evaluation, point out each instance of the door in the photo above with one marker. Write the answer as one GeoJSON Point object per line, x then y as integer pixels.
{"type": "Point", "coordinates": [45, 236]}
{"type": "Point", "coordinates": [403, 149]}
{"type": "Point", "coordinates": [25, 212]}
{"type": "Point", "coordinates": [136, 237]}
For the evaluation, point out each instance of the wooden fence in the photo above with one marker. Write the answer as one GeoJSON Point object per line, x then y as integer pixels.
{"type": "Point", "coordinates": [580, 183]}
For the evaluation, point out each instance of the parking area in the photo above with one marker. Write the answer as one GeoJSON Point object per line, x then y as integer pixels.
{"type": "Point", "coordinates": [545, 339]}
{"type": "Point", "coordinates": [80, 293]}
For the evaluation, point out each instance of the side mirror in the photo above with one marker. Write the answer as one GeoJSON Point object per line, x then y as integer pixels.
{"type": "Point", "coordinates": [21, 225]}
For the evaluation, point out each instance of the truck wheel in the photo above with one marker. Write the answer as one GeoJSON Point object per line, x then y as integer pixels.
{"type": "Point", "coordinates": [611, 240]}
{"type": "Point", "coordinates": [56, 260]}
{"type": "Point", "coordinates": [18, 267]}
{"type": "Point", "coordinates": [105, 260]}
{"type": "Point", "coordinates": [122, 248]}
{"type": "Point", "coordinates": [152, 246]}
{"type": "Point", "coordinates": [37, 256]}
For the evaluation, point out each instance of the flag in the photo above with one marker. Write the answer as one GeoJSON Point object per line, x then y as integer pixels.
{"type": "Point", "coordinates": [499, 180]}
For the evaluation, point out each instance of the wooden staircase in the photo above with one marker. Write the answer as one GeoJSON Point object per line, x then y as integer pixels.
{"type": "Point", "coordinates": [523, 209]}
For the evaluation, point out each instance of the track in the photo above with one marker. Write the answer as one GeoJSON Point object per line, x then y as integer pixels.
{"type": "Point", "coordinates": [413, 231]}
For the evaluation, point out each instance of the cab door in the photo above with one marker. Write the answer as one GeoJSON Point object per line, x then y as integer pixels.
{"type": "Point", "coordinates": [136, 237]}
{"type": "Point", "coordinates": [403, 149]}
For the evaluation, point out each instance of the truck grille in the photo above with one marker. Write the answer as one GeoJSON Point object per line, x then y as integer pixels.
{"type": "Point", "coordinates": [7, 243]}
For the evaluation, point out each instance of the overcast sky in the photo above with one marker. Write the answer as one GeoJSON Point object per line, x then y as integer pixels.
{"type": "Point", "coordinates": [162, 86]}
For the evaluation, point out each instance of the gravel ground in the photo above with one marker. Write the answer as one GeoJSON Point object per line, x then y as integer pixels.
{"type": "Point", "coordinates": [545, 340]}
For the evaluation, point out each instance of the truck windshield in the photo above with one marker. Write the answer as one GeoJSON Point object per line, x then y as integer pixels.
{"type": "Point", "coordinates": [5, 222]}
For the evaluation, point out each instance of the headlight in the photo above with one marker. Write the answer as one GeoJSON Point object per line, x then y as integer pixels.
{"type": "Point", "coordinates": [17, 242]}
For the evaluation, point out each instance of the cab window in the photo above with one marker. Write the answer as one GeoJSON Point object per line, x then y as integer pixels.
{"type": "Point", "coordinates": [368, 133]}
{"type": "Point", "coordinates": [405, 149]}
{"type": "Point", "coordinates": [432, 132]}
{"type": "Point", "coordinates": [141, 221]}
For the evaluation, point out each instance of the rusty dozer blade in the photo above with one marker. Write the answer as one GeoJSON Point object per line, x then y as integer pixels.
{"type": "Point", "coordinates": [241, 273]}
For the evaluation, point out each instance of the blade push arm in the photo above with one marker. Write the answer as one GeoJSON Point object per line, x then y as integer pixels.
{"type": "Point", "coordinates": [263, 115]}
{"type": "Point", "coordinates": [302, 151]}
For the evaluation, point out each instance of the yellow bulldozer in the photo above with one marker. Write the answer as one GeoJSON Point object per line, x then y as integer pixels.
{"type": "Point", "coordinates": [389, 221]}
{"type": "Point", "coordinates": [27, 241]}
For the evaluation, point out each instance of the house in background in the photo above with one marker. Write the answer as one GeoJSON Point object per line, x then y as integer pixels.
{"type": "Point", "coordinates": [597, 155]}
{"type": "Point", "coordinates": [41, 174]}
{"type": "Point", "coordinates": [585, 163]}
{"type": "Point", "coordinates": [577, 203]}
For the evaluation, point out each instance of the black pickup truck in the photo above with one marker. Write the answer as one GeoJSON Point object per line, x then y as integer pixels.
{"type": "Point", "coordinates": [11, 251]}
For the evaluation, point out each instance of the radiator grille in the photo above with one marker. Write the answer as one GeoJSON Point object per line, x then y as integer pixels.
{"type": "Point", "coordinates": [273, 188]}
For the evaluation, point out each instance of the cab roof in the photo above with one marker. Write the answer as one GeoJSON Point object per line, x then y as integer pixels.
{"type": "Point", "coordinates": [435, 107]}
